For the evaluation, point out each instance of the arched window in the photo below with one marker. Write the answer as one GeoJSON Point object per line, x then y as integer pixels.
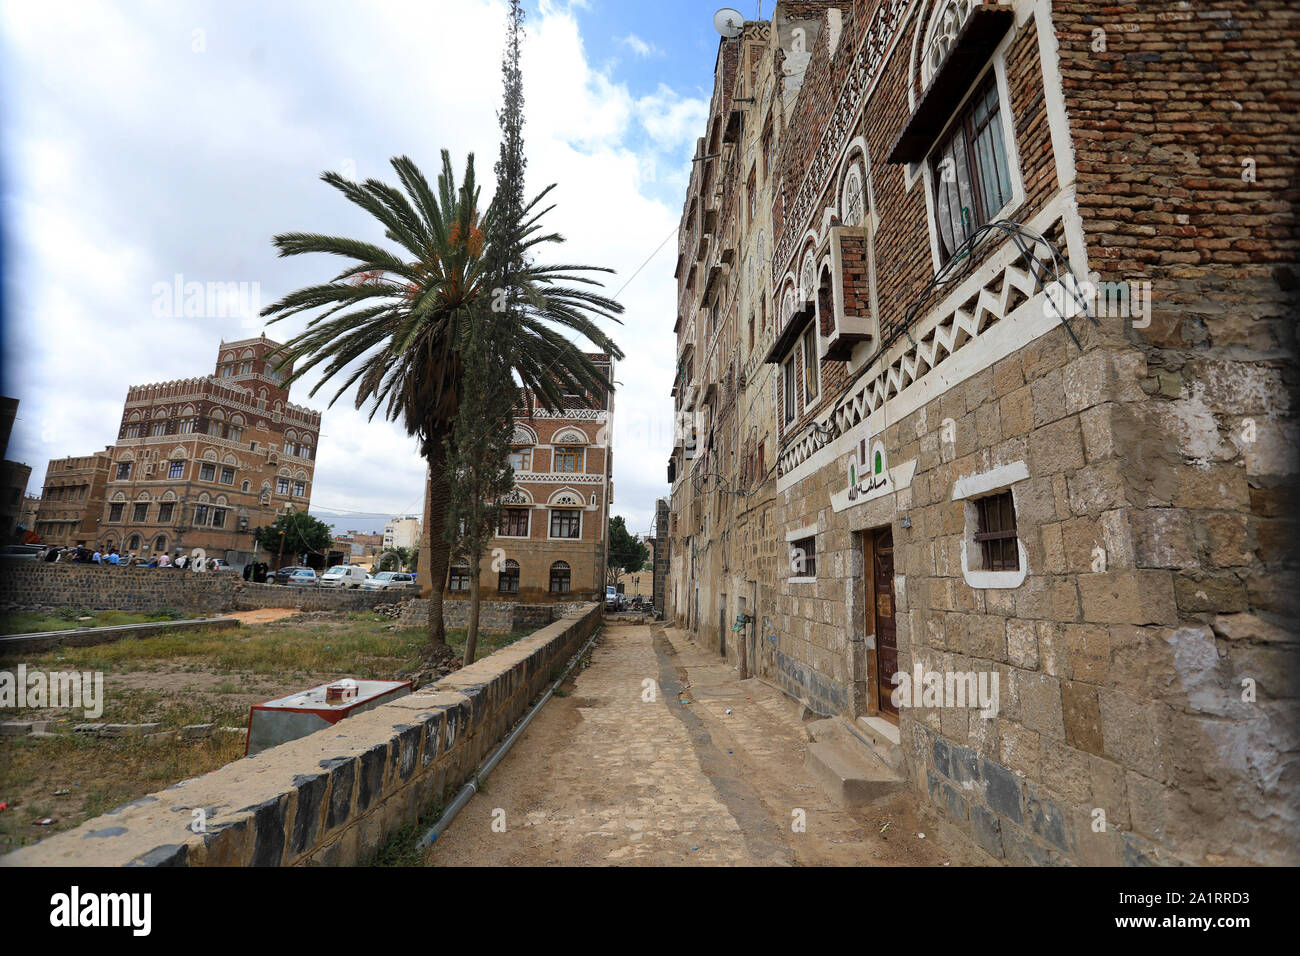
{"type": "Point", "coordinates": [560, 578]}
{"type": "Point", "coordinates": [853, 198]}
{"type": "Point", "coordinates": [459, 579]}
{"type": "Point", "coordinates": [508, 579]}
{"type": "Point", "coordinates": [135, 543]}
{"type": "Point", "coordinates": [160, 544]}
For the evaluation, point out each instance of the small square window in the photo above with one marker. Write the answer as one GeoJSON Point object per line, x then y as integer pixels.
{"type": "Point", "coordinates": [803, 557]}
{"type": "Point", "coordinates": [997, 532]}
{"type": "Point", "coordinates": [207, 472]}
{"type": "Point", "coordinates": [176, 469]}
{"type": "Point", "coordinates": [227, 476]}
{"type": "Point", "coordinates": [459, 580]}
{"type": "Point", "coordinates": [123, 471]}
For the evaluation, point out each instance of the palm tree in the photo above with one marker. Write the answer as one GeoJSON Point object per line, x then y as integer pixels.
{"type": "Point", "coordinates": [390, 322]}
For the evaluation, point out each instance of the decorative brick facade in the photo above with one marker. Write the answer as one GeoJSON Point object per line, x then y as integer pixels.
{"type": "Point", "coordinates": [200, 463]}
{"type": "Point", "coordinates": [1138, 619]}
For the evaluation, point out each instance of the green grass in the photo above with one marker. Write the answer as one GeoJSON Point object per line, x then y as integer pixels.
{"type": "Point", "coordinates": [26, 623]}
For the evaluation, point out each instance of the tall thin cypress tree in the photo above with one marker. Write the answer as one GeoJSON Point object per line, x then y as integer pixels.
{"type": "Point", "coordinates": [478, 459]}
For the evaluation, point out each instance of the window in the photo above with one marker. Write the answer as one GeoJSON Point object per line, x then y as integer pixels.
{"type": "Point", "coordinates": [789, 390]}
{"type": "Point", "coordinates": [227, 476]}
{"type": "Point", "coordinates": [207, 472]}
{"type": "Point", "coordinates": [521, 459]}
{"type": "Point", "coordinates": [245, 486]}
{"type": "Point", "coordinates": [459, 580]}
{"type": "Point", "coordinates": [299, 489]}
{"type": "Point", "coordinates": [115, 512]}
{"type": "Point", "coordinates": [810, 367]}
{"type": "Point", "coordinates": [282, 486]}
{"type": "Point", "coordinates": [135, 543]}
{"type": "Point", "coordinates": [123, 470]}
{"type": "Point", "coordinates": [803, 557]}
{"type": "Point", "coordinates": [131, 431]}
{"type": "Point", "coordinates": [514, 523]}
{"type": "Point", "coordinates": [200, 515]}
{"type": "Point", "coordinates": [972, 181]}
{"type": "Point", "coordinates": [218, 517]}
{"type": "Point", "coordinates": [187, 426]}
{"type": "Point", "coordinates": [568, 460]}
{"type": "Point", "coordinates": [508, 579]}
{"type": "Point", "coordinates": [753, 195]}
{"type": "Point", "coordinates": [165, 512]}
{"type": "Point", "coordinates": [157, 428]}
{"type": "Point", "coordinates": [997, 532]}
{"type": "Point", "coordinates": [140, 512]}
{"type": "Point", "coordinates": [560, 578]}
{"type": "Point", "coordinates": [566, 523]}
{"type": "Point", "coordinates": [234, 433]}
{"type": "Point", "coordinates": [176, 469]}
{"type": "Point", "coordinates": [160, 543]}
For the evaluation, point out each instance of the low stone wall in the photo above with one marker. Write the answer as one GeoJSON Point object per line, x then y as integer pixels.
{"type": "Point", "coordinates": [495, 617]}
{"type": "Point", "coordinates": [17, 645]}
{"type": "Point", "coordinates": [334, 797]}
{"type": "Point", "coordinates": [37, 586]}
{"type": "Point", "coordinates": [251, 597]}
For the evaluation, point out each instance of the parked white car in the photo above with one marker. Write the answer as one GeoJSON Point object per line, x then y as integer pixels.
{"type": "Point", "coordinates": [343, 576]}
{"type": "Point", "coordinates": [390, 581]}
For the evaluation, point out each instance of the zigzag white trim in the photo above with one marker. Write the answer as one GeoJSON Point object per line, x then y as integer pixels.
{"type": "Point", "coordinates": [948, 329]}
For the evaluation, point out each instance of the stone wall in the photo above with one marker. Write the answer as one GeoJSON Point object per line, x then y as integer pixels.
{"type": "Point", "coordinates": [37, 586]}
{"type": "Point", "coordinates": [331, 798]}
{"type": "Point", "coordinates": [495, 617]}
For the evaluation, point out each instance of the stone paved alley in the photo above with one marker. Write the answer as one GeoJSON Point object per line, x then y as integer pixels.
{"type": "Point", "coordinates": [602, 776]}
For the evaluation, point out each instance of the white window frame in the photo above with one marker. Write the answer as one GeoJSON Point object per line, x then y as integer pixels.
{"type": "Point", "coordinates": [578, 508]}
{"type": "Point", "coordinates": [529, 521]}
{"type": "Point", "coordinates": [998, 65]}
{"type": "Point", "coordinates": [799, 534]}
{"type": "Point", "coordinates": [967, 489]}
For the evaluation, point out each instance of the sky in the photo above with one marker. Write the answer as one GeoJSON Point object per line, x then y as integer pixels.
{"type": "Point", "coordinates": [145, 141]}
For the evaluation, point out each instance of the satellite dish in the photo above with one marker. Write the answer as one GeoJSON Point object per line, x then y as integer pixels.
{"type": "Point", "coordinates": [730, 23]}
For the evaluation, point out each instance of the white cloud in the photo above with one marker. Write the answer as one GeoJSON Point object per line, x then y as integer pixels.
{"type": "Point", "coordinates": [640, 47]}
{"type": "Point", "coordinates": [130, 157]}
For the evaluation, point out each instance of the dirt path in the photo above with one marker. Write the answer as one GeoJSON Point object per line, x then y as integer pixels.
{"type": "Point", "coordinates": [605, 777]}
{"type": "Point", "coordinates": [265, 615]}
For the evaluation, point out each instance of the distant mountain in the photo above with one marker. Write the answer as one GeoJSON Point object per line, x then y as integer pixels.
{"type": "Point", "coordinates": [365, 523]}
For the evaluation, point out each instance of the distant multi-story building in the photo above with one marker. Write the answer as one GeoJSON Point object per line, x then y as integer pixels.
{"type": "Point", "coordinates": [71, 505]}
{"type": "Point", "coordinates": [14, 475]}
{"type": "Point", "coordinates": [402, 533]}
{"type": "Point", "coordinates": [202, 462]}
{"type": "Point", "coordinates": [554, 526]}
{"type": "Point", "coordinates": [359, 547]}
{"type": "Point", "coordinates": [31, 507]}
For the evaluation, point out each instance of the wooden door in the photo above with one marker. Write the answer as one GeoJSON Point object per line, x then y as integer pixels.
{"type": "Point", "coordinates": [886, 636]}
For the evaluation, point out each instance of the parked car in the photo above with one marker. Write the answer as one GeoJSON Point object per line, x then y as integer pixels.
{"type": "Point", "coordinates": [284, 574]}
{"type": "Point", "coordinates": [344, 576]}
{"type": "Point", "coordinates": [304, 577]}
{"type": "Point", "coordinates": [611, 598]}
{"type": "Point", "coordinates": [389, 581]}
{"type": "Point", "coordinates": [28, 552]}
{"type": "Point", "coordinates": [220, 564]}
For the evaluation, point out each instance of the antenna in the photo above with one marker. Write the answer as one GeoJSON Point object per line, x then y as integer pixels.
{"type": "Point", "coordinates": [730, 23]}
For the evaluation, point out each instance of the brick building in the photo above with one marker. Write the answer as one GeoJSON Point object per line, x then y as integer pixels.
{"type": "Point", "coordinates": [201, 462]}
{"type": "Point", "coordinates": [986, 341]}
{"type": "Point", "coordinates": [72, 499]}
{"type": "Point", "coordinates": [554, 523]}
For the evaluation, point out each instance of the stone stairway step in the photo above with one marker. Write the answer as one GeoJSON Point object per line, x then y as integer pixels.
{"type": "Point", "coordinates": [850, 773]}
{"type": "Point", "coordinates": [882, 737]}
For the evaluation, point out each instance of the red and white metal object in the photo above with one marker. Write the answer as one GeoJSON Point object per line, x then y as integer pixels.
{"type": "Point", "coordinates": [297, 715]}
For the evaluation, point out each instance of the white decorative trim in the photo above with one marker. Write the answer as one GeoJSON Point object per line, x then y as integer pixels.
{"type": "Point", "coordinates": [808, 531]}
{"type": "Point", "coordinates": [995, 479]}
{"type": "Point", "coordinates": [897, 478]}
{"type": "Point", "coordinates": [995, 580]}
{"type": "Point", "coordinates": [945, 347]}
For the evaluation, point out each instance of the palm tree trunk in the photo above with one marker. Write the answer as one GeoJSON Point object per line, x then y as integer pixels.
{"type": "Point", "coordinates": [471, 634]}
{"type": "Point", "coordinates": [434, 544]}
